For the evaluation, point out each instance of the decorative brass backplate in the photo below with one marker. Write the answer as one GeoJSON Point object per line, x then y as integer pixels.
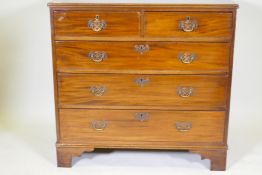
{"type": "Point", "coordinates": [99, 125]}
{"type": "Point", "coordinates": [98, 90]}
{"type": "Point", "coordinates": [183, 126]}
{"type": "Point", "coordinates": [141, 48]}
{"type": "Point", "coordinates": [142, 116]}
{"type": "Point", "coordinates": [186, 57]}
{"type": "Point", "coordinates": [185, 91]}
{"type": "Point", "coordinates": [96, 24]}
{"type": "Point", "coordinates": [188, 25]}
{"type": "Point", "coordinates": [97, 56]}
{"type": "Point", "coordinates": [141, 81]}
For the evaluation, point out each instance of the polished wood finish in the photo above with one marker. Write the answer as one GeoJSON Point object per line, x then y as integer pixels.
{"type": "Point", "coordinates": [218, 158]}
{"type": "Point", "coordinates": [144, 39]}
{"type": "Point", "coordinates": [162, 57]}
{"type": "Point", "coordinates": [66, 154]}
{"type": "Point", "coordinates": [160, 92]}
{"type": "Point", "coordinates": [75, 23]}
{"type": "Point", "coordinates": [209, 24]}
{"type": "Point", "coordinates": [128, 83]}
{"type": "Point", "coordinates": [122, 125]}
{"type": "Point", "coordinates": [180, 6]}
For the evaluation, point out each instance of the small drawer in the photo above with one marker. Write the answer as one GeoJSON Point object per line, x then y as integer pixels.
{"type": "Point", "coordinates": [142, 57]}
{"type": "Point", "coordinates": [85, 126]}
{"type": "Point", "coordinates": [136, 91]}
{"type": "Point", "coordinates": [188, 24]}
{"type": "Point", "coordinates": [95, 24]}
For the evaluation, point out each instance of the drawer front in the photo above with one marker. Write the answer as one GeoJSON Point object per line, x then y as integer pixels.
{"type": "Point", "coordinates": [188, 24]}
{"type": "Point", "coordinates": [95, 24]}
{"type": "Point", "coordinates": [142, 91]}
{"type": "Point", "coordinates": [135, 126]}
{"type": "Point", "coordinates": [147, 57]}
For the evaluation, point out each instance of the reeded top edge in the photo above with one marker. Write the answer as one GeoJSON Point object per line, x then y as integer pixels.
{"type": "Point", "coordinates": [146, 3]}
{"type": "Point", "coordinates": [204, 6]}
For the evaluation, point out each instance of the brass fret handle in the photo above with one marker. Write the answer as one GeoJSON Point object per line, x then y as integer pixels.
{"type": "Point", "coordinates": [96, 24]}
{"type": "Point", "coordinates": [142, 116]}
{"type": "Point", "coordinates": [99, 125]}
{"type": "Point", "coordinates": [141, 48]}
{"type": "Point", "coordinates": [98, 90]}
{"type": "Point", "coordinates": [183, 126]}
{"type": "Point", "coordinates": [185, 91]}
{"type": "Point", "coordinates": [186, 57]}
{"type": "Point", "coordinates": [141, 81]}
{"type": "Point", "coordinates": [97, 56]}
{"type": "Point", "coordinates": [188, 25]}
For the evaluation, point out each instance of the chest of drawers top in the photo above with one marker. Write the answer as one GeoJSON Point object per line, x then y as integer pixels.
{"type": "Point", "coordinates": [139, 2]}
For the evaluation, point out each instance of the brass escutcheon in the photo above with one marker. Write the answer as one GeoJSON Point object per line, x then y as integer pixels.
{"type": "Point", "coordinates": [183, 126]}
{"type": "Point", "coordinates": [141, 81]}
{"type": "Point", "coordinates": [141, 48]}
{"type": "Point", "coordinates": [188, 25]}
{"type": "Point", "coordinates": [185, 91]}
{"type": "Point", "coordinates": [99, 125]}
{"type": "Point", "coordinates": [96, 24]}
{"type": "Point", "coordinates": [97, 56]}
{"type": "Point", "coordinates": [186, 57]}
{"type": "Point", "coordinates": [98, 90]}
{"type": "Point", "coordinates": [142, 116]}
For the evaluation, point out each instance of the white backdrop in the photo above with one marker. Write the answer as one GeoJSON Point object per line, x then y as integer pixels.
{"type": "Point", "coordinates": [26, 94]}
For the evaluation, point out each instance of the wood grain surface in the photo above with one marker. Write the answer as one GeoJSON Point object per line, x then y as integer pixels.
{"type": "Point", "coordinates": [209, 24]}
{"type": "Point", "coordinates": [160, 92]}
{"type": "Point", "coordinates": [76, 126]}
{"type": "Point", "coordinates": [162, 57]}
{"type": "Point", "coordinates": [75, 23]}
{"type": "Point", "coordinates": [155, 25]}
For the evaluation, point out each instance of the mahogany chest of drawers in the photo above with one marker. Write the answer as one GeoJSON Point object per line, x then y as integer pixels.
{"type": "Point", "coordinates": [142, 76]}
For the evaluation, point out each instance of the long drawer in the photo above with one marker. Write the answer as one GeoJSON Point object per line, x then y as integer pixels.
{"type": "Point", "coordinates": [189, 92]}
{"type": "Point", "coordinates": [145, 57]}
{"type": "Point", "coordinates": [85, 126]}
